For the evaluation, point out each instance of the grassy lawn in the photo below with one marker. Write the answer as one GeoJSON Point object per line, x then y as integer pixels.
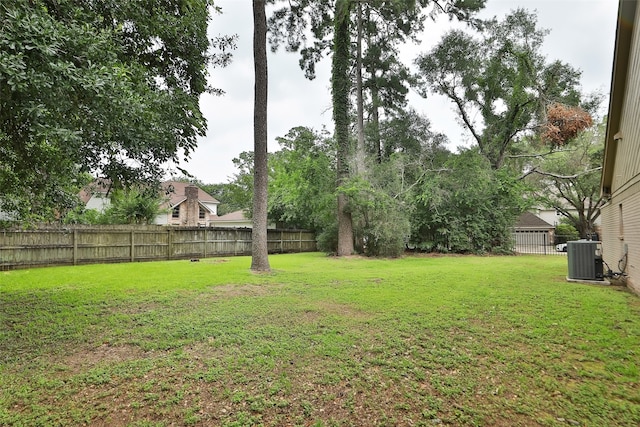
{"type": "Point", "coordinates": [494, 341]}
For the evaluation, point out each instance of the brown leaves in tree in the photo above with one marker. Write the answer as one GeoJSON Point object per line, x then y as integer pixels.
{"type": "Point", "coordinates": [564, 123]}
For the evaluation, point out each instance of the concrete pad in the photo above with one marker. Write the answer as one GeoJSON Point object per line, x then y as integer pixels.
{"type": "Point", "coordinates": [604, 282]}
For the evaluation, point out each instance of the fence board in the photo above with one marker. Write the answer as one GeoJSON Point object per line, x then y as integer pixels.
{"type": "Point", "coordinates": [104, 244]}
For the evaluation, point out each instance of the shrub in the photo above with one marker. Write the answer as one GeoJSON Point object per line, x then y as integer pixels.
{"type": "Point", "coordinates": [565, 233]}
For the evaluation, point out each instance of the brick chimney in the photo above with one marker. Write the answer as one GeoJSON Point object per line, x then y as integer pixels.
{"type": "Point", "coordinates": [193, 209]}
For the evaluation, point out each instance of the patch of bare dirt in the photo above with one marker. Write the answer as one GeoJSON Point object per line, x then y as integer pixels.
{"type": "Point", "coordinates": [215, 261]}
{"type": "Point", "coordinates": [132, 309]}
{"type": "Point", "coordinates": [343, 310]}
{"type": "Point", "coordinates": [87, 358]}
{"type": "Point", "coordinates": [231, 291]}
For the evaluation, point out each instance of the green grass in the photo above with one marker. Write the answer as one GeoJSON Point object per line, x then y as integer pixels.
{"type": "Point", "coordinates": [321, 341]}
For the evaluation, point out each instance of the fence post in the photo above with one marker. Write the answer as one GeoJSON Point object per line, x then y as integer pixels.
{"type": "Point", "coordinates": [204, 250]}
{"type": "Point", "coordinates": [169, 241]}
{"type": "Point", "coordinates": [133, 248]}
{"type": "Point", "coordinates": [75, 247]}
{"type": "Point", "coordinates": [281, 241]}
{"type": "Point", "coordinates": [235, 241]}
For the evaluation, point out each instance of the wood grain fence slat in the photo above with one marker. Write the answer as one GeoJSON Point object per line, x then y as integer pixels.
{"type": "Point", "coordinates": [92, 245]}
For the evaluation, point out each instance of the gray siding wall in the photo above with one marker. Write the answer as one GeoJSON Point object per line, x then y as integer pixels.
{"type": "Point", "coordinates": [621, 234]}
{"type": "Point", "coordinates": [628, 150]}
{"type": "Point", "coordinates": [621, 214]}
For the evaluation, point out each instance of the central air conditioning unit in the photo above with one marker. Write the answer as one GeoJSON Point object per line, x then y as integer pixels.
{"type": "Point", "coordinates": [585, 260]}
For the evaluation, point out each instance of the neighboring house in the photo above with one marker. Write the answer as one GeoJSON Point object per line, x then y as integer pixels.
{"type": "Point", "coordinates": [187, 205]}
{"type": "Point", "coordinates": [238, 219]}
{"type": "Point", "coordinates": [233, 219]}
{"type": "Point", "coordinates": [553, 217]}
{"type": "Point", "coordinates": [548, 215]}
{"type": "Point", "coordinates": [531, 231]}
{"type": "Point", "coordinates": [621, 167]}
{"type": "Point", "coordinates": [184, 203]}
{"type": "Point", "coordinates": [96, 195]}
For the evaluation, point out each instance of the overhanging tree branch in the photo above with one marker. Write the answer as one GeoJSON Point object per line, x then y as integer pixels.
{"type": "Point", "coordinates": [463, 113]}
{"type": "Point", "coordinates": [557, 176]}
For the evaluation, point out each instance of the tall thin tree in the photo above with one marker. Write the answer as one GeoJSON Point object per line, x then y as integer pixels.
{"type": "Point", "coordinates": [360, 148]}
{"type": "Point", "coordinates": [259, 253]}
{"type": "Point", "coordinates": [341, 85]}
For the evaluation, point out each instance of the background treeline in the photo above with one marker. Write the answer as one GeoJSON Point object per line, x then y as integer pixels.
{"type": "Point", "coordinates": [97, 90]}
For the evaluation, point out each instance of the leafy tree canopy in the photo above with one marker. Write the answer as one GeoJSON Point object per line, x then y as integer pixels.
{"type": "Point", "coordinates": [135, 205]}
{"type": "Point", "coordinates": [410, 133]}
{"type": "Point", "coordinates": [302, 180]}
{"type": "Point", "coordinates": [569, 180]}
{"type": "Point", "coordinates": [467, 207]}
{"type": "Point", "coordinates": [109, 88]}
{"type": "Point", "coordinates": [388, 23]}
{"type": "Point", "coordinates": [499, 82]}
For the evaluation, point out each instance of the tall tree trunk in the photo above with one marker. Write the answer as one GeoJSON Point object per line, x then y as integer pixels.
{"type": "Point", "coordinates": [259, 253]}
{"type": "Point", "coordinates": [360, 149]}
{"type": "Point", "coordinates": [340, 92]}
{"type": "Point", "coordinates": [375, 123]}
{"type": "Point", "coordinates": [375, 102]}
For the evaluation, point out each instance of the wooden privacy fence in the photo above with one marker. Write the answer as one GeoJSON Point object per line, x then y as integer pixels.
{"type": "Point", "coordinates": [108, 244]}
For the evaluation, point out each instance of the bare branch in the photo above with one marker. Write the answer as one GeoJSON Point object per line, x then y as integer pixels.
{"type": "Point", "coordinates": [420, 179]}
{"type": "Point", "coordinates": [463, 113]}
{"type": "Point", "coordinates": [442, 9]}
{"type": "Point", "coordinates": [553, 175]}
{"type": "Point", "coordinates": [533, 155]}
{"type": "Point", "coordinates": [526, 174]}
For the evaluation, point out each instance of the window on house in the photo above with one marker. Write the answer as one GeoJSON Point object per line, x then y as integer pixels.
{"type": "Point", "coordinates": [175, 213]}
{"type": "Point", "coordinates": [201, 213]}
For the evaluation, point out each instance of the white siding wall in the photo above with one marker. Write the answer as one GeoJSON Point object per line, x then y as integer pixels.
{"type": "Point", "coordinates": [162, 219]}
{"type": "Point", "coordinates": [99, 202]}
{"type": "Point", "coordinates": [549, 216]}
{"type": "Point", "coordinates": [213, 207]}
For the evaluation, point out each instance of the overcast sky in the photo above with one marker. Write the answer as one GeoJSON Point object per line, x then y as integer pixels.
{"type": "Point", "coordinates": [582, 34]}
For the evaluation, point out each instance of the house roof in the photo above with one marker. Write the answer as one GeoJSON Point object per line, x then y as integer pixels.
{"type": "Point", "coordinates": [621, 55]}
{"type": "Point", "coordinates": [176, 192]}
{"type": "Point", "coordinates": [99, 186]}
{"type": "Point", "coordinates": [529, 220]}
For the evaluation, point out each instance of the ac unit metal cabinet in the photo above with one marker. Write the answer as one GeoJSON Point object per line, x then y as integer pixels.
{"type": "Point", "coordinates": [585, 260]}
